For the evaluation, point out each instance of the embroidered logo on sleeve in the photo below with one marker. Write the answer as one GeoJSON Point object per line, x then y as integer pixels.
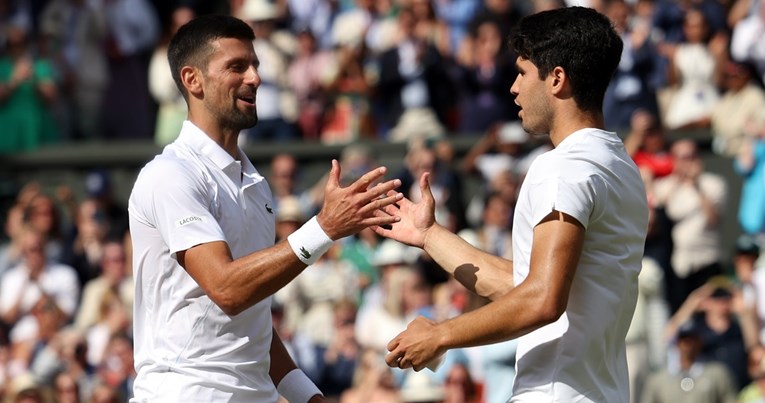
{"type": "Point", "coordinates": [304, 253]}
{"type": "Point", "coordinates": [269, 209]}
{"type": "Point", "coordinates": [189, 220]}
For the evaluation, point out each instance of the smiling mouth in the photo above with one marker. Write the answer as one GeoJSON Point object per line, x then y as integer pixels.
{"type": "Point", "coordinates": [248, 99]}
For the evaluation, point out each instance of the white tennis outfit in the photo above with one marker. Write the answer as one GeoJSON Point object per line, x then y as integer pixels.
{"type": "Point", "coordinates": [581, 357]}
{"type": "Point", "coordinates": [186, 348]}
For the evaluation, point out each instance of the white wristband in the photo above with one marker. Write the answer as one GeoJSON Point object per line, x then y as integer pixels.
{"type": "Point", "coordinates": [309, 242]}
{"type": "Point", "coordinates": [296, 387]}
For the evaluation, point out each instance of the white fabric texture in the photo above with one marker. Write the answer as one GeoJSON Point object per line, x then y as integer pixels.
{"type": "Point", "coordinates": [186, 347]}
{"type": "Point", "coordinates": [581, 357]}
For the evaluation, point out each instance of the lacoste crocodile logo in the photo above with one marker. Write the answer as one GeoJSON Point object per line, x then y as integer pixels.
{"type": "Point", "coordinates": [304, 253]}
{"type": "Point", "coordinates": [269, 209]}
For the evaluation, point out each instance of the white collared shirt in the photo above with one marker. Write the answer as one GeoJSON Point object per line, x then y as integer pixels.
{"type": "Point", "coordinates": [186, 348]}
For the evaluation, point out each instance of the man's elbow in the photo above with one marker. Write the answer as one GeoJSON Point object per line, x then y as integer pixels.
{"type": "Point", "coordinates": [549, 311]}
{"type": "Point", "coordinates": [228, 302]}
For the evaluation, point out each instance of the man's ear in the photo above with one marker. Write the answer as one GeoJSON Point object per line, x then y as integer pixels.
{"type": "Point", "coordinates": [191, 78]}
{"type": "Point", "coordinates": [559, 83]}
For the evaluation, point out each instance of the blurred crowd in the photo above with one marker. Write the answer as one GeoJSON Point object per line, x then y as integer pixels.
{"type": "Point", "coordinates": [335, 71]}
{"type": "Point", "coordinates": [418, 72]}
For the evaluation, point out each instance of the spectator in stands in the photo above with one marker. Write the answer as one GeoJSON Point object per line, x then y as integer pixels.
{"type": "Point", "coordinates": [309, 299]}
{"type": "Point", "coordinates": [133, 32]}
{"type": "Point", "coordinates": [746, 40]}
{"type": "Point", "coordinates": [359, 250]}
{"type": "Point", "coordinates": [99, 187]}
{"type": "Point", "coordinates": [172, 106]}
{"type": "Point", "coordinates": [484, 67]}
{"type": "Point", "coordinates": [429, 28]}
{"type": "Point", "coordinates": [43, 214]}
{"type": "Point", "coordinates": [10, 250]}
{"type": "Point", "coordinates": [34, 334]}
{"type": "Point", "coordinates": [694, 200]}
{"type": "Point", "coordinates": [694, 68]}
{"type": "Point", "coordinates": [306, 73]}
{"type": "Point", "coordinates": [87, 246]}
{"type": "Point", "coordinates": [503, 147]}
{"type": "Point", "coordinates": [117, 372]}
{"type": "Point", "coordinates": [315, 16]}
{"type": "Point", "coordinates": [755, 391]}
{"type": "Point", "coordinates": [27, 89]}
{"type": "Point", "coordinates": [372, 381]}
{"type": "Point", "coordinates": [276, 103]}
{"type": "Point", "coordinates": [459, 386]}
{"type": "Point", "coordinates": [710, 309]}
{"type": "Point", "coordinates": [690, 379]}
{"type": "Point", "coordinates": [750, 165]}
{"type": "Point", "coordinates": [413, 87]}
{"type": "Point", "coordinates": [447, 185]}
{"type": "Point", "coordinates": [741, 105]}
{"type": "Point", "coordinates": [750, 281]}
{"type": "Point", "coordinates": [381, 319]}
{"type": "Point", "coordinates": [66, 389]}
{"type": "Point", "coordinates": [337, 361]}
{"type": "Point", "coordinates": [457, 14]}
{"type": "Point", "coordinates": [348, 115]}
{"type": "Point", "coordinates": [75, 31]}
{"type": "Point", "coordinates": [632, 88]}
{"type": "Point", "coordinates": [112, 279]}
{"type": "Point", "coordinates": [24, 285]}
{"type": "Point", "coordinates": [505, 13]}
{"type": "Point", "coordinates": [646, 349]}
{"type": "Point", "coordinates": [493, 234]}
{"type": "Point", "coordinates": [65, 357]}
{"type": "Point", "coordinates": [647, 144]}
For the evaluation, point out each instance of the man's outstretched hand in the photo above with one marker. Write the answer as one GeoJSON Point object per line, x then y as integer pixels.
{"type": "Point", "coordinates": [348, 210]}
{"type": "Point", "coordinates": [415, 218]}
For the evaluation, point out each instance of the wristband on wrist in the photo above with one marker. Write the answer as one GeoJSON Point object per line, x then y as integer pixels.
{"type": "Point", "coordinates": [309, 242]}
{"type": "Point", "coordinates": [296, 387]}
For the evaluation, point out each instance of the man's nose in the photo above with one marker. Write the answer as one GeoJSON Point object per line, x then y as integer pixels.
{"type": "Point", "coordinates": [252, 76]}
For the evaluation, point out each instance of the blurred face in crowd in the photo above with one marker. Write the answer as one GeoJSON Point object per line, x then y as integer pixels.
{"type": "Point", "coordinates": [488, 39]}
{"type": "Point", "coordinates": [283, 172]}
{"type": "Point", "coordinates": [41, 214]}
{"type": "Point", "coordinates": [686, 159]}
{"type": "Point", "coordinates": [498, 212]}
{"type": "Point", "coordinates": [735, 76]}
{"type": "Point", "coordinates": [33, 251]}
{"type": "Point", "coordinates": [619, 13]}
{"type": "Point", "coordinates": [113, 261]}
{"type": "Point", "coordinates": [66, 389]}
{"type": "Point", "coordinates": [695, 26]}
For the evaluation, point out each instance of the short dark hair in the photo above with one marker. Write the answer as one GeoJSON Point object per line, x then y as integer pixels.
{"type": "Point", "coordinates": [581, 41]}
{"type": "Point", "coordinates": [192, 43]}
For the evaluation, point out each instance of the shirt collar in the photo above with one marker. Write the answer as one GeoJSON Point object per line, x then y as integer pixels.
{"type": "Point", "coordinates": [193, 137]}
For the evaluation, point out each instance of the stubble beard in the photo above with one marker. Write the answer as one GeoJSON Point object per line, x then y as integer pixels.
{"type": "Point", "coordinates": [234, 119]}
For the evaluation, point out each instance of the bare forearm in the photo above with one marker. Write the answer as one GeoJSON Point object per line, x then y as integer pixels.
{"type": "Point", "coordinates": [281, 362]}
{"type": "Point", "coordinates": [515, 314]}
{"type": "Point", "coordinates": [241, 283]}
{"type": "Point", "coordinates": [482, 273]}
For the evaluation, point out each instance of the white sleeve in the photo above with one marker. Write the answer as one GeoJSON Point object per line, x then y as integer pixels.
{"type": "Point", "coordinates": [745, 34]}
{"type": "Point", "coordinates": [180, 203]}
{"type": "Point", "coordinates": [555, 193]}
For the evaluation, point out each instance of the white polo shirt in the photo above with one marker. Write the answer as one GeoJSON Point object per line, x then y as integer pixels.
{"type": "Point", "coordinates": [581, 357]}
{"type": "Point", "coordinates": [186, 348]}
